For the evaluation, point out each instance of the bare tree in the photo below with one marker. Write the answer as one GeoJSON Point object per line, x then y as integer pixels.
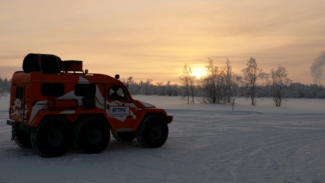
{"type": "Point", "coordinates": [228, 81]}
{"type": "Point", "coordinates": [214, 84]}
{"type": "Point", "coordinates": [217, 86]}
{"type": "Point", "coordinates": [280, 84]}
{"type": "Point", "coordinates": [192, 89]}
{"type": "Point", "coordinates": [209, 84]}
{"type": "Point", "coordinates": [251, 75]}
{"type": "Point", "coordinates": [188, 83]}
{"type": "Point", "coordinates": [185, 77]}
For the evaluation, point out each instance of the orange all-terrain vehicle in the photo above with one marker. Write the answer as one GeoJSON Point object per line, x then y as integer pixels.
{"type": "Point", "coordinates": [55, 104]}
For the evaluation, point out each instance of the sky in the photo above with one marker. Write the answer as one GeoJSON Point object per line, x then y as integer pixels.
{"type": "Point", "coordinates": [150, 39]}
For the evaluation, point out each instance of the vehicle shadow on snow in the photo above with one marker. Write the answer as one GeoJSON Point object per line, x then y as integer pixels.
{"type": "Point", "coordinates": [113, 146]}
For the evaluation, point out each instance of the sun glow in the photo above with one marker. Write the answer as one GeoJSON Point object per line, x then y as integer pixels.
{"type": "Point", "coordinates": [198, 72]}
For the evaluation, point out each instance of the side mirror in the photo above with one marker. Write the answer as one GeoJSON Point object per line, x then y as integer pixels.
{"type": "Point", "coordinates": [117, 76]}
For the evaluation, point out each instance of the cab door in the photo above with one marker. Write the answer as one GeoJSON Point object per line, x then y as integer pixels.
{"type": "Point", "coordinates": [19, 102]}
{"type": "Point", "coordinates": [117, 97]}
{"type": "Point", "coordinates": [118, 109]}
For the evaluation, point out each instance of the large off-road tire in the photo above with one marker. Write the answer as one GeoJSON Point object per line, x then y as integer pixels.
{"type": "Point", "coordinates": [52, 138]}
{"type": "Point", "coordinates": [91, 135]}
{"type": "Point", "coordinates": [152, 132]}
{"type": "Point", "coordinates": [123, 136]}
{"type": "Point", "coordinates": [21, 138]}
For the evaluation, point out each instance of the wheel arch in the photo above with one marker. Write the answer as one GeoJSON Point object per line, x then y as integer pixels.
{"type": "Point", "coordinates": [160, 113]}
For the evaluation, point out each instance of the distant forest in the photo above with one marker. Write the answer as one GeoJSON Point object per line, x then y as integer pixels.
{"type": "Point", "coordinates": [148, 87]}
{"type": "Point", "coordinates": [237, 89]}
{"type": "Point", "coordinates": [5, 85]}
{"type": "Point", "coordinates": [296, 90]}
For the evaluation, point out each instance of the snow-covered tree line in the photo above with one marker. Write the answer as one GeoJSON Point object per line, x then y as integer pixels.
{"type": "Point", "coordinates": [5, 85]}
{"type": "Point", "coordinates": [148, 87]}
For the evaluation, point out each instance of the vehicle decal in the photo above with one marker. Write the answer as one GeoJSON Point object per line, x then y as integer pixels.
{"type": "Point", "coordinates": [17, 103]}
{"type": "Point", "coordinates": [36, 108]}
{"type": "Point", "coordinates": [69, 96]}
{"type": "Point", "coordinates": [119, 111]}
{"type": "Point", "coordinates": [99, 99]}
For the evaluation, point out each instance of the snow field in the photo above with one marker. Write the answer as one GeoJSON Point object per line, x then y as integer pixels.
{"type": "Point", "coordinates": [206, 143]}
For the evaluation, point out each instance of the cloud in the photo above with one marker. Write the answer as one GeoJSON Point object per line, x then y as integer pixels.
{"type": "Point", "coordinates": [317, 68]}
{"type": "Point", "coordinates": [115, 36]}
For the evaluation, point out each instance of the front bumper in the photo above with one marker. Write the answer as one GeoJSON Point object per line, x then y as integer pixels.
{"type": "Point", "coordinates": [19, 125]}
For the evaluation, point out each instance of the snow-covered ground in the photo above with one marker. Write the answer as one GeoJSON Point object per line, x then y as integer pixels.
{"type": "Point", "coordinates": [207, 143]}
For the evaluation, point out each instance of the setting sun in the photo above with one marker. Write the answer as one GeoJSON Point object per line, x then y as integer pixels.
{"type": "Point", "coordinates": [198, 72]}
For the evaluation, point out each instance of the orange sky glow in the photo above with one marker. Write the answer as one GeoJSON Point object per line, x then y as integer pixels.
{"type": "Point", "coordinates": [154, 39]}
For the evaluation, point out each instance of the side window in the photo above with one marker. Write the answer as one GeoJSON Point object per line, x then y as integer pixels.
{"type": "Point", "coordinates": [84, 89]}
{"type": "Point", "coordinates": [19, 92]}
{"type": "Point", "coordinates": [116, 93]}
{"type": "Point", "coordinates": [52, 89]}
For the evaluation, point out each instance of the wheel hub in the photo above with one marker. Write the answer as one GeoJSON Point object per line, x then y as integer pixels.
{"type": "Point", "coordinates": [156, 132]}
{"type": "Point", "coordinates": [94, 136]}
{"type": "Point", "coordinates": [55, 138]}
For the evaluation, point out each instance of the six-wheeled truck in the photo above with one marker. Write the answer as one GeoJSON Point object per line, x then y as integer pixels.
{"type": "Point", "coordinates": [55, 104]}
